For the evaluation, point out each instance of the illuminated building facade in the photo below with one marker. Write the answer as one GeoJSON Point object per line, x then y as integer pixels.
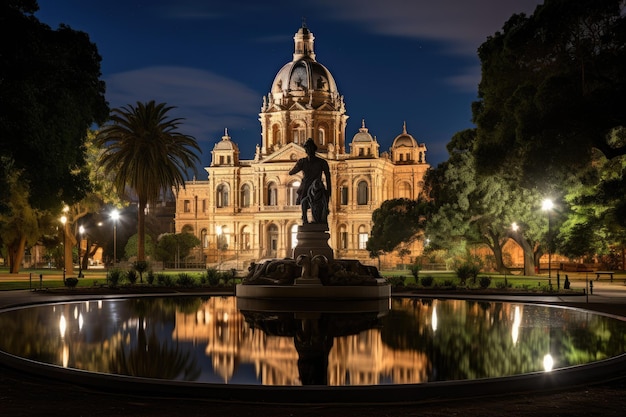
{"type": "Point", "coordinates": [246, 209]}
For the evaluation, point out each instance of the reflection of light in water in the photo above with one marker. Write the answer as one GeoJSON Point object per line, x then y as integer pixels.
{"type": "Point", "coordinates": [434, 319]}
{"type": "Point", "coordinates": [66, 356]}
{"type": "Point", "coordinates": [81, 321]}
{"type": "Point", "coordinates": [548, 363]}
{"type": "Point", "coordinates": [62, 325]}
{"type": "Point", "coordinates": [517, 321]}
{"type": "Point", "coordinates": [75, 312]}
{"type": "Point", "coordinates": [99, 304]}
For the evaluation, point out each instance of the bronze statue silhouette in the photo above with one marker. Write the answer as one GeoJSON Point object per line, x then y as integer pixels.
{"type": "Point", "coordinates": [311, 193]}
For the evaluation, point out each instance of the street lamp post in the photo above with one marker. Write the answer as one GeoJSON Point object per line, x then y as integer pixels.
{"type": "Point", "coordinates": [115, 215]}
{"type": "Point", "coordinates": [547, 205]}
{"type": "Point", "coordinates": [81, 231]}
{"type": "Point", "coordinates": [64, 222]}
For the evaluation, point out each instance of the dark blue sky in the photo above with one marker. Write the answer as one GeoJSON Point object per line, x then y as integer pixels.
{"type": "Point", "coordinates": [393, 60]}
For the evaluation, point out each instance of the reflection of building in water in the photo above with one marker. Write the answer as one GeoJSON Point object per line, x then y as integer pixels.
{"type": "Point", "coordinates": [356, 360]}
{"type": "Point", "coordinates": [363, 359]}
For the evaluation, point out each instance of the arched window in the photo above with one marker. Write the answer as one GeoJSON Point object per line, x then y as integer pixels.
{"type": "Point", "coordinates": [298, 133]}
{"type": "Point", "coordinates": [404, 190]}
{"type": "Point", "coordinates": [272, 194]}
{"type": "Point", "coordinates": [321, 136]}
{"type": "Point", "coordinates": [363, 237]}
{"type": "Point", "coordinates": [222, 195]}
{"type": "Point", "coordinates": [343, 237]}
{"type": "Point", "coordinates": [294, 236]}
{"type": "Point", "coordinates": [245, 238]}
{"type": "Point", "coordinates": [245, 195]}
{"type": "Point", "coordinates": [362, 193]}
{"type": "Point", "coordinates": [272, 240]}
{"type": "Point", "coordinates": [292, 193]}
{"type": "Point", "coordinates": [343, 194]}
{"type": "Point", "coordinates": [204, 238]}
{"type": "Point", "coordinates": [277, 136]}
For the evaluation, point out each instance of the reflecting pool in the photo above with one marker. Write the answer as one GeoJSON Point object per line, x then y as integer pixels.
{"type": "Point", "coordinates": [208, 340]}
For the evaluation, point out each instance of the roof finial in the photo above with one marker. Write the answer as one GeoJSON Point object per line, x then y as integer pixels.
{"type": "Point", "coordinates": [362, 122]}
{"type": "Point", "coordinates": [225, 137]}
{"type": "Point", "coordinates": [404, 128]}
{"type": "Point", "coordinates": [303, 22]}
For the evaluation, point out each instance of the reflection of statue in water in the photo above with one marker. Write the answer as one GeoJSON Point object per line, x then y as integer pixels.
{"type": "Point", "coordinates": [311, 193]}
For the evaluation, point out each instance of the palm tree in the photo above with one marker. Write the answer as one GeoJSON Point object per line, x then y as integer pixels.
{"type": "Point", "coordinates": [148, 155]}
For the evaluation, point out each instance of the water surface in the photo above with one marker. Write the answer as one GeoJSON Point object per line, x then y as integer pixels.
{"type": "Point", "coordinates": [207, 339]}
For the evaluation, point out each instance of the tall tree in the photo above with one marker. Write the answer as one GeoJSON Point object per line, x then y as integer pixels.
{"type": "Point", "coordinates": [51, 93]}
{"type": "Point", "coordinates": [473, 208]}
{"type": "Point", "coordinates": [148, 155]}
{"type": "Point", "coordinates": [552, 89]}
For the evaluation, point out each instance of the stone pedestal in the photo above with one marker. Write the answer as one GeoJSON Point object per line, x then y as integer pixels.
{"type": "Point", "coordinates": [313, 240]}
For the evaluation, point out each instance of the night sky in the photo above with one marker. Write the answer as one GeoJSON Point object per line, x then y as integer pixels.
{"type": "Point", "coordinates": [393, 60]}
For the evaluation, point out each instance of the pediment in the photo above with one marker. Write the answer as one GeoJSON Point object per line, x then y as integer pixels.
{"type": "Point", "coordinates": [274, 108]}
{"type": "Point", "coordinates": [326, 107]}
{"type": "Point", "coordinates": [297, 106]}
{"type": "Point", "coordinates": [289, 152]}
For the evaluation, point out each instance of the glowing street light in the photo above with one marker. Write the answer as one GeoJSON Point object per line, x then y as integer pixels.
{"type": "Point", "coordinates": [115, 215]}
{"type": "Point", "coordinates": [547, 205]}
{"type": "Point", "coordinates": [63, 220]}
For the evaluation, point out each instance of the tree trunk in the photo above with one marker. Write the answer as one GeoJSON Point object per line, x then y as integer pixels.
{"type": "Point", "coordinates": [529, 255]}
{"type": "Point", "coordinates": [68, 243]}
{"type": "Point", "coordinates": [495, 245]}
{"type": "Point", "coordinates": [16, 254]}
{"type": "Point", "coordinates": [141, 231]}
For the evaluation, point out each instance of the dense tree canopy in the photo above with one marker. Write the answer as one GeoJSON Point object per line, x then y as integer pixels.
{"type": "Point", "coordinates": [396, 221]}
{"type": "Point", "coordinates": [51, 93]}
{"type": "Point", "coordinates": [471, 208]}
{"type": "Point", "coordinates": [552, 89]}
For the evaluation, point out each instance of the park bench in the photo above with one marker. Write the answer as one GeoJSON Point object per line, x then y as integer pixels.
{"type": "Point", "coordinates": [600, 273]}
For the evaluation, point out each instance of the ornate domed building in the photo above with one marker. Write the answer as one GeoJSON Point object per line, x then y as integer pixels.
{"type": "Point", "coordinates": [246, 210]}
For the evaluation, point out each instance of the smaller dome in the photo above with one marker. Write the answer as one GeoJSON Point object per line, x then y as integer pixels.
{"type": "Point", "coordinates": [404, 140]}
{"type": "Point", "coordinates": [363, 136]}
{"type": "Point", "coordinates": [226, 144]}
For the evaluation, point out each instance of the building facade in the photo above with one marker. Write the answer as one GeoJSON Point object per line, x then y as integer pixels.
{"type": "Point", "coordinates": [245, 210]}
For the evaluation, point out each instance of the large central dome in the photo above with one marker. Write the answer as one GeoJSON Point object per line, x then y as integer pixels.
{"type": "Point", "coordinates": [304, 80]}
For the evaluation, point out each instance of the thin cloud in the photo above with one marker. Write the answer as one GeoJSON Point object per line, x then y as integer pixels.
{"type": "Point", "coordinates": [207, 101]}
{"type": "Point", "coordinates": [462, 24]}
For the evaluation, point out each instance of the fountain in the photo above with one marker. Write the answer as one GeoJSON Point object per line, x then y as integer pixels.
{"type": "Point", "coordinates": [312, 272]}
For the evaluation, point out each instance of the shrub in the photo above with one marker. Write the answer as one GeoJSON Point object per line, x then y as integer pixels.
{"type": "Point", "coordinates": [141, 267]}
{"type": "Point", "coordinates": [503, 285]}
{"type": "Point", "coordinates": [415, 270]}
{"type": "Point", "coordinates": [467, 270]}
{"type": "Point", "coordinates": [427, 281]}
{"type": "Point", "coordinates": [114, 277]}
{"type": "Point", "coordinates": [396, 281]}
{"type": "Point", "coordinates": [212, 277]}
{"type": "Point", "coordinates": [132, 276]}
{"type": "Point", "coordinates": [484, 282]}
{"type": "Point", "coordinates": [150, 277]}
{"type": "Point", "coordinates": [448, 283]}
{"type": "Point", "coordinates": [71, 282]}
{"type": "Point", "coordinates": [165, 280]}
{"type": "Point", "coordinates": [185, 280]}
